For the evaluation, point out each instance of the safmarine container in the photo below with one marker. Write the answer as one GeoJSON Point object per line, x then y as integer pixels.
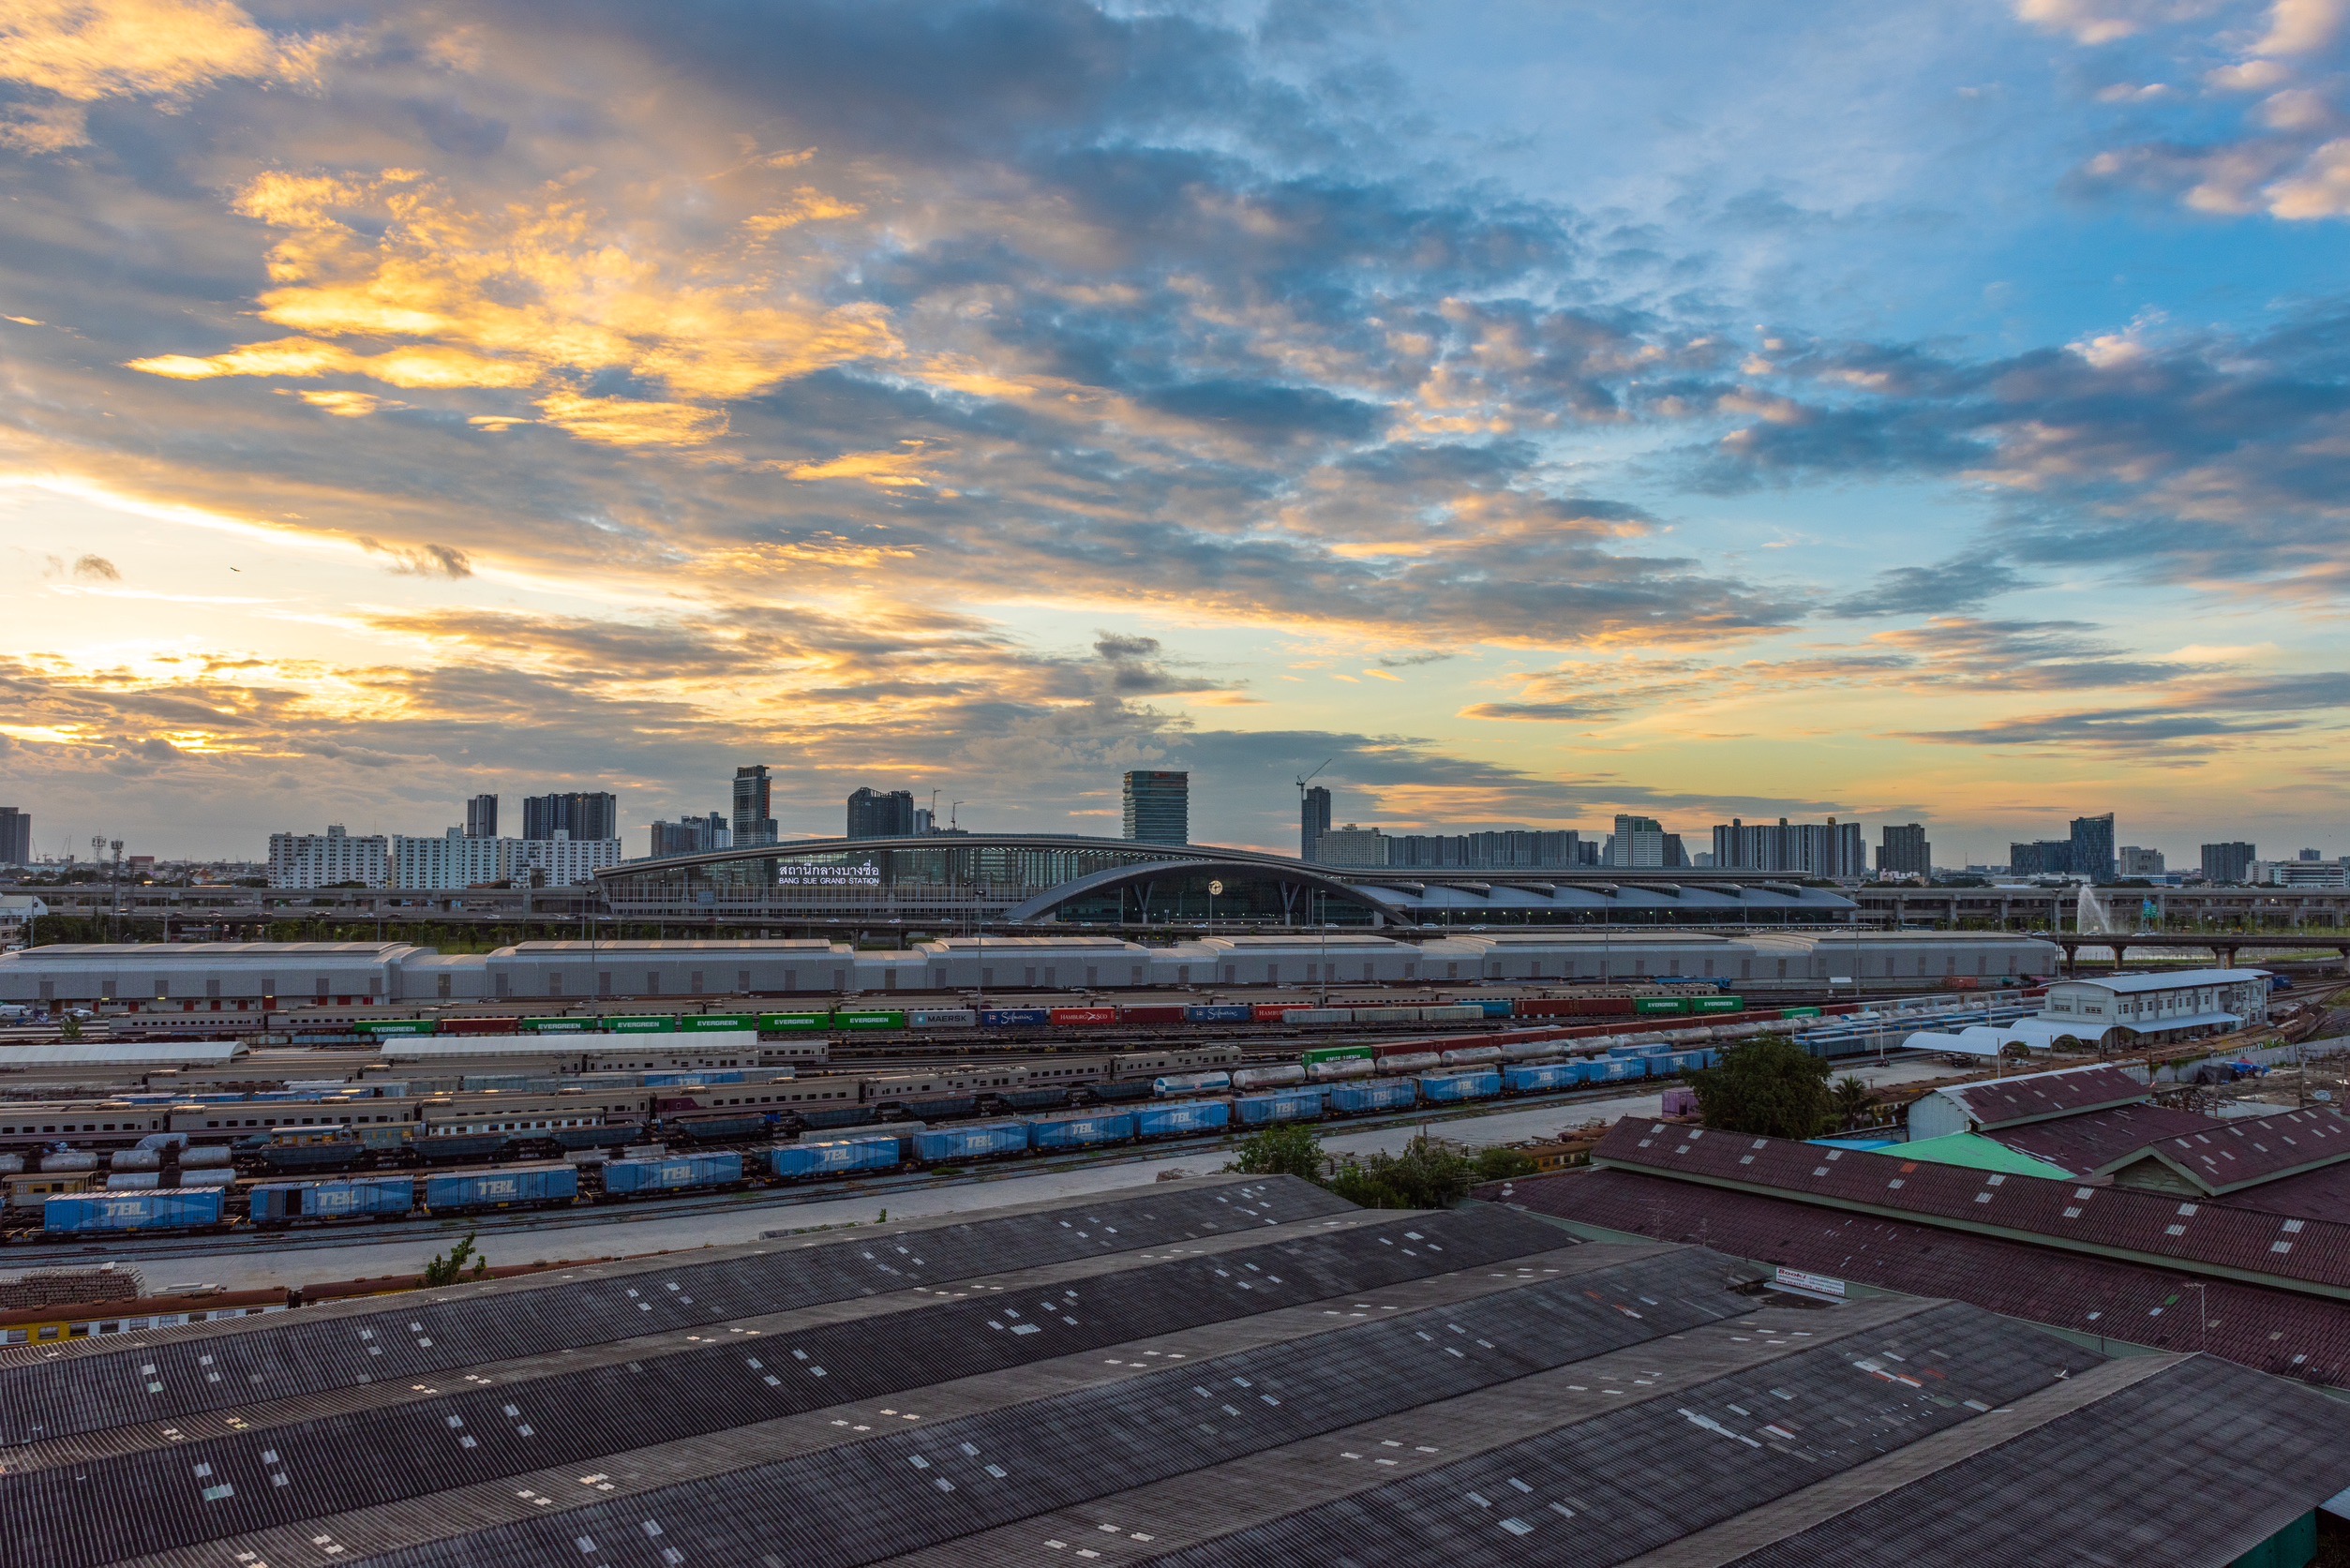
{"type": "Point", "coordinates": [1192, 1084]}
{"type": "Point", "coordinates": [1534, 1078]}
{"type": "Point", "coordinates": [674, 1172]}
{"type": "Point", "coordinates": [355, 1198]}
{"type": "Point", "coordinates": [971, 1143]}
{"type": "Point", "coordinates": [1190, 1115]}
{"type": "Point", "coordinates": [835, 1157]}
{"type": "Point", "coordinates": [1081, 1132]}
{"type": "Point", "coordinates": [1283, 1105]}
{"type": "Point", "coordinates": [1382, 1094]}
{"type": "Point", "coordinates": [1014, 1017]}
{"type": "Point", "coordinates": [508, 1186]}
{"type": "Point", "coordinates": [1219, 1012]}
{"type": "Point", "coordinates": [166, 1208]}
{"type": "Point", "coordinates": [1441, 1088]}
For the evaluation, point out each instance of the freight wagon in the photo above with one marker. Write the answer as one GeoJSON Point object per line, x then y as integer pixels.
{"type": "Point", "coordinates": [103, 1213]}
{"type": "Point", "coordinates": [628, 1178]}
{"type": "Point", "coordinates": [349, 1198]}
{"type": "Point", "coordinates": [835, 1157]}
{"type": "Point", "coordinates": [511, 1187]}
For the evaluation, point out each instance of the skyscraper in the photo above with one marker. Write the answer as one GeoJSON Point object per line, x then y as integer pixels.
{"type": "Point", "coordinates": [2093, 847]}
{"type": "Point", "coordinates": [876, 815]}
{"type": "Point", "coordinates": [1314, 820]}
{"type": "Point", "coordinates": [1811, 848]}
{"type": "Point", "coordinates": [16, 837]}
{"type": "Point", "coordinates": [754, 819]}
{"type": "Point", "coordinates": [1637, 843]}
{"type": "Point", "coordinates": [581, 814]}
{"type": "Point", "coordinates": [481, 817]}
{"type": "Point", "coordinates": [1902, 851]}
{"type": "Point", "coordinates": [691, 835]}
{"type": "Point", "coordinates": [1157, 807]}
{"type": "Point", "coordinates": [2230, 862]}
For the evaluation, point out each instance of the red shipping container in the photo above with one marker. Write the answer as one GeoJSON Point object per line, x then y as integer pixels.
{"type": "Point", "coordinates": [1273, 1012]}
{"type": "Point", "coordinates": [1063, 1018]}
{"type": "Point", "coordinates": [1152, 1013]}
{"type": "Point", "coordinates": [481, 1026]}
{"type": "Point", "coordinates": [1572, 1006]}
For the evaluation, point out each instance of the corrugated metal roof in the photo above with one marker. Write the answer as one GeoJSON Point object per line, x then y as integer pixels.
{"type": "Point", "coordinates": [2176, 979]}
{"type": "Point", "coordinates": [2295, 1254]}
{"type": "Point", "coordinates": [1975, 1152]}
{"type": "Point", "coordinates": [2041, 1096]}
{"type": "Point", "coordinates": [2247, 1151]}
{"type": "Point", "coordinates": [2082, 1143]}
{"type": "Point", "coordinates": [121, 1053]}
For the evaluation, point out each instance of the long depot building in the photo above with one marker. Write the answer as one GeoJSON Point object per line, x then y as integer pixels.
{"type": "Point", "coordinates": [1222, 1372]}
{"type": "Point", "coordinates": [246, 976]}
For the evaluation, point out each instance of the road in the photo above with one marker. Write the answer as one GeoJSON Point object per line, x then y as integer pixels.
{"type": "Point", "coordinates": [305, 1257]}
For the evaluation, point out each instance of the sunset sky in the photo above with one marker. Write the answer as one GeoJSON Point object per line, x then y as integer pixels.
{"type": "Point", "coordinates": [1932, 411]}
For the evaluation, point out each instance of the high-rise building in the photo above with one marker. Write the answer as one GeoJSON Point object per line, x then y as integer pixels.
{"type": "Point", "coordinates": [2230, 862]}
{"type": "Point", "coordinates": [691, 835]}
{"type": "Point", "coordinates": [2093, 847]}
{"type": "Point", "coordinates": [1351, 846]}
{"type": "Point", "coordinates": [876, 815]}
{"type": "Point", "coordinates": [1314, 820]}
{"type": "Point", "coordinates": [753, 816]}
{"type": "Point", "coordinates": [2134, 861]}
{"type": "Point", "coordinates": [1157, 806]}
{"type": "Point", "coordinates": [1637, 843]}
{"type": "Point", "coordinates": [2041, 858]}
{"type": "Point", "coordinates": [1503, 849]}
{"type": "Point", "coordinates": [16, 836]}
{"type": "Point", "coordinates": [582, 815]}
{"type": "Point", "coordinates": [1803, 848]}
{"type": "Point", "coordinates": [1902, 850]}
{"type": "Point", "coordinates": [328, 860]}
{"type": "Point", "coordinates": [481, 817]}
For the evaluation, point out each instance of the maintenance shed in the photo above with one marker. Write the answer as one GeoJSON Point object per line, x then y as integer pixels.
{"type": "Point", "coordinates": [1228, 1370]}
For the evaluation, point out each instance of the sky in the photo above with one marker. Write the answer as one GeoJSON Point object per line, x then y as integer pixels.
{"type": "Point", "coordinates": [1521, 412]}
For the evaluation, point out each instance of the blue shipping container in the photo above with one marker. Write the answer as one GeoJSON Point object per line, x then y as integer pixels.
{"type": "Point", "coordinates": [672, 1172]}
{"type": "Point", "coordinates": [971, 1143]}
{"type": "Point", "coordinates": [1015, 1018]}
{"type": "Point", "coordinates": [1536, 1076]}
{"type": "Point", "coordinates": [161, 1208]}
{"type": "Point", "coordinates": [1379, 1093]}
{"type": "Point", "coordinates": [1190, 1115]}
{"type": "Point", "coordinates": [833, 1156]}
{"type": "Point", "coordinates": [1443, 1087]}
{"type": "Point", "coordinates": [942, 1017]}
{"type": "Point", "coordinates": [352, 1197]}
{"type": "Point", "coordinates": [501, 1188]}
{"type": "Point", "coordinates": [1282, 1105]}
{"type": "Point", "coordinates": [1220, 1013]}
{"type": "Point", "coordinates": [682, 1080]}
{"type": "Point", "coordinates": [1500, 1009]}
{"type": "Point", "coordinates": [1081, 1132]}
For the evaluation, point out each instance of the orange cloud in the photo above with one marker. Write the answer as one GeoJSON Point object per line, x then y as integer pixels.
{"type": "Point", "coordinates": [625, 422]}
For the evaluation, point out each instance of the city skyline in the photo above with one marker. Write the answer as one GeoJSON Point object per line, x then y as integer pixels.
{"type": "Point", "coordinates": [1918, 415]}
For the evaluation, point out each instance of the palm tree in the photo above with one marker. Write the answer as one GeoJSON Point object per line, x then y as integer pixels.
{"type": "Point", "coordinates": [1851, 1099]}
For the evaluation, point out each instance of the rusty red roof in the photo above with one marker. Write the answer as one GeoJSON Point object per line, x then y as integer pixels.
{"type": "Point", "coordinates": [2251, 1150]}
{"type": "Point", "coordinates": [2002, 1102]}
{"type": "Point", "coordinates": [2274, 1331]}
{"type": "Point", "coordinates": [2203, 1237]}
{"type": "Point", "coordinates": [2083, 1143]}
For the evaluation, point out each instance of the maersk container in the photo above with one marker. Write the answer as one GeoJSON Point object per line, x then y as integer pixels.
{"type": "Point", "coordinates": [676, 1173]}
{"type": "Point", "coordinates": [507, 1187]}
{"type": "Point", "coordinates": [1380, 1094]}
{"type": "Point", "coordinates": [1265, 1078]}
{"type": "Point", "coordinates": [834, 1157]}
{"type": "Point", "coordinates": [1283, 1105]}
{"type": "Point", "coordinates": [1190, 1115]}
{"type": "Point", "coordinates": [971, 1143]}
{"type": "Point", "coordinates": [1192, 1084]}
{"type": "Point", "coordinates": [1537, 1078]}
{"type": "Point", "coordinates": [1342, 1067]}
{"type": "Point", "coordinates": [1219, 1012]}
{"type": "Point", "coordinates": [354, 1197]}
{"type": "Point", "coordinates": [163, 1208]}
{"type": "Point", "coordinates": [1015, 1018]}
{"type": "Point", "coordinates": [1471, 1056]}
{"type": "Point", "coordinates": [1442, 1089]}
{"type": "Point", "coordinates": [943, 1018]}
{"type": "Point", "coordinates": [1081, 1132]}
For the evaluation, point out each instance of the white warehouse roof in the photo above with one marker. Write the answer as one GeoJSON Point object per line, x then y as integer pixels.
{"type": "Point", "coordinates": [121, 1053]}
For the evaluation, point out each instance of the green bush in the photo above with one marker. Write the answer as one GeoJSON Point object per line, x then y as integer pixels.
{"type": "Point", "coordinates": [1291, 1149]}
{"type": "Point", "coordinates": [1769, 1087]}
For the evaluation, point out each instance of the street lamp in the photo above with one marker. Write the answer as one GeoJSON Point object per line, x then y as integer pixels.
{"type": "Point", "coordinates": [1214, 886]}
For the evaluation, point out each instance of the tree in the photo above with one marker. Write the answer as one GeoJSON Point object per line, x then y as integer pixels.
{"type": "Point", "coordinates": [1852, 1102]}
{"type": "Point", "coordinates": [1769, 1087]}
{"type": "Point", "coordinates": [1500, 1165]}
{"type": "Point", "coordinates": [448, 1268]}
{"type": "Point", "coordinates": [1426, 1175]}
{"type": "Point", "coordinates": [1291, 1149]}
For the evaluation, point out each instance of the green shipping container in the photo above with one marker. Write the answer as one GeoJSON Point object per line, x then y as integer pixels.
{"type": "Point", "coordinates": [1660, 1004]}
{"type": "Point", "coordinates": [792, 1022]}
{"type": "Point", "coordinates": [397, 1027]}
{"type": "Point", "coordinates": [869, 1021]}
{"type": "Point", "coordinates": [1721, 1004]}
{"type": "Point", "coordinates": [640, 1025]}
{"type": "Point", "coordinates": [558, 1025]}
{"type": "Point", "coordinates": [1338, 1054]}
{"type": "Point", "coordinates": [1800, 1012]}
{"type": "Point", "coordinates": [721, 1021]}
